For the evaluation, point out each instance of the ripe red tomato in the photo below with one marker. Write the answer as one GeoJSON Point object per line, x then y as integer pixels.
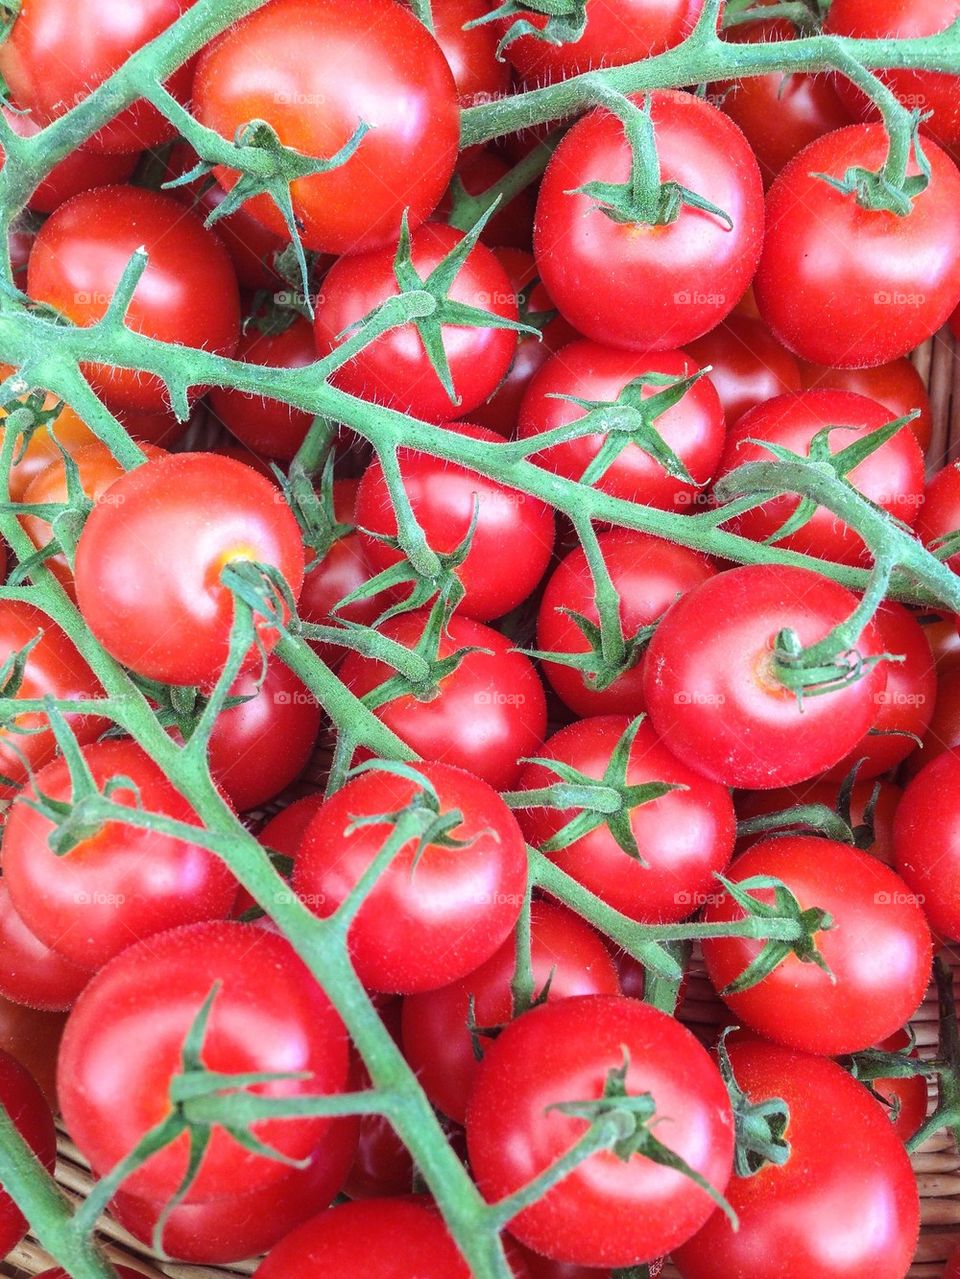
{"type": "Point", "coordinates": [79, 171]}
{"type": "Point", "coordinates": [608, 1211]}
{"type": "Point", "coordinates": [904, 1100]}
{"type": "Point", "coordinates": [567, 958]}
{"type": "Point", "coordinates": [472, 54]}
{"type": "Point", "coordinates": [395, 369]}
{"type": "Point", "coordinates": [943, 733]}
{"type": "Point", "coordinates": [824, 791]}
{"type": "Point", "coordinates": [175, 523]}
{"type": "Point", "coordinates": [125, 1036]}
{"type": "Point", "coordinates": [693, 428]}
{"type": "Point", "coordinates": [878, 950]}
{"type": "Point", "coordinates": [891, 477]}
{"type": "Point", "coordinates": [53, 668]}
{"type": "Point", "coordinates": [60, 50]}
{"type": "Point", "coordinates": [26, 1107]}
{"type": "Point", "coordinates": [31, 973]}
{"type": "Point", "coordinates": [651, 288]}
{"type": "Point", "coordinates": [926, 842]}
{"type": "Point", "coordinates": [512, 539]}
{"type": "Point", "coordinates": [712, 691]}
{"type": "Point", "coordinates": [383, 1167]}
{"type": "Point", "coordinates": [511, 226]}
{"type": "Point", "coordinates": [188, 293]}
{"type": "Point", "coordinates": [940, 514]}
{"type": "Point", "coordinates": [685, 837]}
{"type": "Point", "coordinates": [376, 1238]}
{"type": "Point", "coordinates": [649, 575]}
{"type": "Point", "coordinates": [846, 286]}
{"type": "Point", "coordinates": [32, 1037]}
{"type": "Point", "coordinates": [121, 883]}
{"type": "Point", "coordinates": [843, 1208]}
{"type": "Point", "coordinates": [952, 1270]}
{"type": "Point", "coordinates": [898, 386]}
{"type": "Point", "coordinates": [315, 70]}
{"type": "Point", "coordinates": [70, 430]}
{"type": "Point", "coordinates": [487, 716]}
{"type": "Point", "coordinates": [747, 365]}
{"type": "Point", "coordinates": [264, 425]}
{"type": "Point", "coordinates": [432, 917]}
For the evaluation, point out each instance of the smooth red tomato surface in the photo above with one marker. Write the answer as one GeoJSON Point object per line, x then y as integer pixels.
{"type": "Point", "coordinates": [940, 514]}
{"type": "Point", "coordinates": [31, 973]}
{"type": "Point", "coordinates": [878, 949]}
{"type": "Point", "coordinates": [32, 1037]}
{"type": "Point", "coordinates": [822, 790]}
{"type": "Point", "coordinates": [607, 1211]}
{"type": "Point", "coordinates": [846, 286]}
{"type": "Point", "coordinates": [315, 70]}
{"type": "Point", "coordinates": [568, 958]}
{"type": "Point", "coordinates": [712, 691]}
{"type": "Point", "coordinates": [60, 50]}
{"type": "Point", "coordinates": [284, 833]}
{"type": "Point", "coordinates": [124, 1041]}
{"type": "Point", "coordinates": [481, 77]}
{"type": "Point", "coordinates": [264, 425]}
{"type": "Point", "coordinates": [53, 668]}
{"type": "Point", "coordinates": [645, 287]}
{"type": "Point", "coordinates": [377, 1238]}
{"type": "Point", "coordinates": [488, 715]}
{"type": "Point", "coordinates": [898, 386]}
{"type": "Point", "coordinates": [79, 171]}
{"type": "Point", "coordinates": [432, 917]}
{"type": "Point", "coordinates": [685, 837]}
{"type": "Point", "coordinates": [926, 841]}
{"type": "Point", "coordinates": [383, 1167]}
{"type": "Point", "coordinates": [905, 1100]}
{"type": "Point", "coordinates": [891, 477]}
{"type": "Point", "coordinates": [649, 574]}
{"type": "Point", "coordinates": [188, 293]}
{"type": "Point", "coordinates": [149, 562]}
{"type": "Point", "coordinates": [747, 365]}
{"type": "Point", "coordinates": [395, 370]}
{"type": "Point", "coordinates": [693, 428]}
{"type": "Point", "coordinates": [512, 538]}
{"type": "Point", "coordinates": [943, 732]}
{"type": "Point", "coordinates": [27, 1108]}
{"type": "Point", "coordinates": [839, 1208]}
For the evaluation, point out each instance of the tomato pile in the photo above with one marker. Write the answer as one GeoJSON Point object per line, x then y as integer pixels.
{"type": "Point", "coordinates": [476, 549]}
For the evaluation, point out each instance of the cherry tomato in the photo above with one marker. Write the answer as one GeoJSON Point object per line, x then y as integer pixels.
{"type": "Point", "coordinates": [71, 431]}
{"type": "Point", "coordinates": [512, 538]}
{"type": "Point", "coordinates": [940, 515]}
{"type": "Point", "coordinates": [846, 286]}
{"type": "Point", "coordinates": [891, 477]}
{"type": "Point", "coordinates": [846, 1208]}
{"type": "Point", "coordinates": [693, 428]}
{"type": "Point", "coordinates": [747, 366]}
{"type": "Point", "coordinates": [511, 226]}
{"type": "Point", "coordinates": [31, 973]}
{"type": "Point", "coordinates": [188, 293]}
{"type": "Point", "coordinates": [472, 54]}
{"type": "Point", "coordinates": [608, 1211]}
{"type": "Point", "coordinates": [27, 1109]}
{"type": "Point", "coordinates": [395, 369]}
{"type": "Point", "coordinates": [826, 792]}
{"type": "Point", "coordinates": [58, 51]}
{"type": "Point", "coordinates": [383, 1168]}
{"type": "Point", "coordinates": [567, 958]}
{"type": "Point", "coordinates": [926, 841]}
{"type": "Point", "coordinates": [79, 171]}
{"type": "Point", "coordinates": [898, 386]}
{"type": "Point", "coordinates": [640, 287]}
{"type": "Point", "coordinates": [711, 688]}
{"type": "Point", "coordinates": [943, 733]}
{"type": "Point", "coordinates": [315, 71]}
{"type": "Point", "coordinates": [649, 575]}
{"type": "Point", "coordinates": [488, 715]}
{"type": "Point", "coordinates": [905, 1100]}
{"type": "Point", "coordinates": [878, 949]}
{"type": "Point", "coordinates": [176, 522]}
{"type": "Point", "coordinates": [32, 1037]}
{"type": "Point", "coordinates": [125, 1036]}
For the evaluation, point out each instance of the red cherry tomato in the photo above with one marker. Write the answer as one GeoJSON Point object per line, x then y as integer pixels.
{"type": "Point", "coordinates": [898, 386]}
{"type": "Point", "coordinates": [472, 54]}
{"type": "Point", "coordinates": [940, 514]}
{"type": "Point", "coordinates": [926, 841]}
{"type": "Point", "coordinates": [905, 1100]}
{"type": "Point", "coordinates": [79, 171]}
{"type": "Point", "coordinates": [511, 226]}
{"type": "Point", "coordinates": [826, 792]}
{"type": "Point", "coordinates": [943, 733]}
{"type": "Point", "coordinates": [32, 1037]}
{"type": "Point", "coordinates": [747, 366]}
{"type": "Point", "coordinates": [31, 973]}
{"type": "Point", "coordinates": [27, 1109]}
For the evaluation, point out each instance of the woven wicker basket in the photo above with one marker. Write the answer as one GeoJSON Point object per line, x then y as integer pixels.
{"type": "Point", "coordinates": [937, 1164]}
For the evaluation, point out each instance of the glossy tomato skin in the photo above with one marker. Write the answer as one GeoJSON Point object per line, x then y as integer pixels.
{"type": "Point", "coordinates": [394, 370]}
{"type": "Point", "coordinates": [649, 574]}
{"type": "Point", "coordinates": [898, 386]}
{"type": "Point", "coordinates": [60, 50]}
{"type": "Point", "coordinates": [685, 837]}
{"type": "Point", "coordinates": [376, 1238]}
{"type": "Point", "coordinates": [54, 668]}
{"type": "Point", "coordinates": [264, 425]}
{"type": "Point", "coordinates": [905, 1100]}
{"type": "Point", "coordinates": [512, 539]}
{"type": "Point", "coordinates": [81, 170]}
{"type": "Point", "coordinates": [472, 55]}
{"type": "Point", "coordinates": [31, 973]}
{"type": "Point", "coordinates": [512, 1135]}
{"type": "Point", "coordinates": [27, 1108]}
{"type": "Point", "coordinates": [650, 288]}
{"type": "Point", "coordinates": [845, 286]}
{"type": "Point", "coordinates": [428, 920]}
{"type": "Point", "coordinates": [175, 523]}
{"type": "Point", "coordinates": [846, 1208]}
{"type": "Point", "coordinates": [879, 950]}
{"type": "Point", "coordinates": [940, 515]}
{"type": "Point", "coordinates": [693, 428]}
{"type": "Point", "coordinates": [565, 952]}
{"type": "Point", "coordinates": [891, 477]}
{"type": "Point", "coordinates": [68, 427]}
{"type": "Point", "coordinates": [124, 1038]}
{"type": "Point", "coordinates": [747, 365]}
{"type": "Point", "coordinates": [943, 733]}
{"type": "Point", "coordinates": [375, 64]}
{"type": "Point", "coordinates": [187, 294]}
{"type": "Point", "coordinates": [714, 697]}
{"type": "Point", "coordinates": [32, 1037]}
{"type": "Point", "coordinates": [489, 714]}
{"type": "Point", "coordinates": [926, 842]}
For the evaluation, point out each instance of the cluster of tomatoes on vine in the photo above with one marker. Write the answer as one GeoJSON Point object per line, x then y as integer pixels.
{"type": "Point", "coordinates": [613, 699]}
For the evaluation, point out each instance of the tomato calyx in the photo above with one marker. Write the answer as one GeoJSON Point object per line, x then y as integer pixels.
{"type": "Point", "coordinates": [433, 669]}
{"type": "Point", "coordinates": [608, 802]}
{"type": "Point", "coordinates": [760, 1127]}
{"type": "Point", "coordinates": [565, 24]}
{"type": "Point", "coordinates": [785, 927]}
{"type": "Point", "coordinates": [805, 15]}
{"type": "Point", "coordinates": [873, 1064]}
{"type": "Point", "coordinates": [644, 200]}
{"type": "Point", "coordinates": [820, 819]}
{"type": "Point", "coordinates": [597, 666]}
